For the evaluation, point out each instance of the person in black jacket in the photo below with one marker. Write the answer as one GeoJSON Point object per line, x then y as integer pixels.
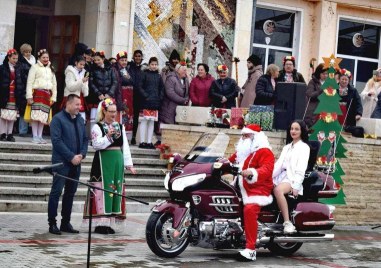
{"type": "Point", "coordinates": [151, 91]}
{"type": "Point", "coordinates": [265, 88]}
{"type": "Point", "coordinates": [224, 90]}
{"type": "Point", "coordinates": [11, 84]}
{"type": "Point", "coordinates": [27, 60]}
{"type": "Point", "coordinates": [289, 73]}
{"type": "Point", "coordinates": [350, 99]}
{"type": "Point", "coordinates": [135, 69]}
{"type": "Point", "coordinates": [103, 83]}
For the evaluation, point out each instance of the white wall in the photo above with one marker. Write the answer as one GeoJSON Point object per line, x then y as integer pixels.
{"type": "Point", "coordinates": [7, 24]}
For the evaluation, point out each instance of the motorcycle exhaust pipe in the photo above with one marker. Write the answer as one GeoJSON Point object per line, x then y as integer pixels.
{"type": "Point", "coordinates": [297, 239]}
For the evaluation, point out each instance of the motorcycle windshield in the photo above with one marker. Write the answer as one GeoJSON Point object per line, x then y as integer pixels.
{"type": "Point", "coordinates": [208, 148]}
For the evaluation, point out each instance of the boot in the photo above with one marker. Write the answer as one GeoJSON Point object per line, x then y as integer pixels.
{"type": "Point", "coordinates": [10, 138]}
{"type": "Point", "coordinates": [3, 137]}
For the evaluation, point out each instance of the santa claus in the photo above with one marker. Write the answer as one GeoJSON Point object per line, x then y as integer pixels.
{"type": "Point", "coordinates": [256, 162]}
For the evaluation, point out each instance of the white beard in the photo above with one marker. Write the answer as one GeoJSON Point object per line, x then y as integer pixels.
{"type": "Point", "coordinates": [243, 150]}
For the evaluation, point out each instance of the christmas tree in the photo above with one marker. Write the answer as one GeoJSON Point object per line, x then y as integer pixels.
{"type": "Point", "coordinates": [327, 130]}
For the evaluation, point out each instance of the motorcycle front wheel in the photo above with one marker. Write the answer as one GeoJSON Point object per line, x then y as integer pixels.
{"type": "Point", "coordinates": [284, 249]}
{"type": "Point", "coordinates": [159, 236]}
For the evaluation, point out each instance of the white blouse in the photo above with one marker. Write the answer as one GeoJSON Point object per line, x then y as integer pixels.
{"type": "Point", "coordinates": [101, 142]}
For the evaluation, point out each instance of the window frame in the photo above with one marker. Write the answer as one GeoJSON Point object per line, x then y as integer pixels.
{"type": "Point", "coordinates": [357, 58]}
{"type": "Point", "coordinates": [297, 36]}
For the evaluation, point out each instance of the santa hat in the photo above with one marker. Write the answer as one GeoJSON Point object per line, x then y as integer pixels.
{"type": "Point", "coordinates": [251, 129]}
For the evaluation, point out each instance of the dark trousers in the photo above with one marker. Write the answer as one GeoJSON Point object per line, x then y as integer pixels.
{"type": "Point", "coordinates": [135, 123]}
{"type": "Point", "coordinates": [67, 200]}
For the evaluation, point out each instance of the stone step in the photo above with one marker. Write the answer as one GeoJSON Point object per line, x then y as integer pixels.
{"type": "Point", "coordinates": [18, 169]}
{"type": "Point", "coordinates": [45, 159]}
{"type": "Point", "coordinates": [46, 182]}
{"type": "Point", "coordinates": [42, 206]}
{"type": "Point", "coordinates": [31, 148]}
{"type": "Point", "coordinates": [42, 194]}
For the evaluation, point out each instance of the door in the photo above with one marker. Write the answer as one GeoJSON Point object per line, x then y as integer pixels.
{"type": "Point", "coordinates": [63, 35]}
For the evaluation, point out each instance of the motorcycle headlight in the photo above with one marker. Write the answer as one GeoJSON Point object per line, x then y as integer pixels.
{"type": "Point", "coordinates": [181, 183]}
{"type": "Point", "coordinates": [166, 180]}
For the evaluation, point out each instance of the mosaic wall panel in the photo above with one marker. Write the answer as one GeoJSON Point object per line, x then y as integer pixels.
{"type": "Point", "coordinates": [200, 30]}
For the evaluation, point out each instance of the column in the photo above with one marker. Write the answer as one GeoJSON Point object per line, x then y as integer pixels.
{"type": "Point", "coordinates": [7, 24]}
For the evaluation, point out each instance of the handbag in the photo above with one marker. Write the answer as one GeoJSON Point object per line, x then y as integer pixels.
{"type": "Point", "coordinates": [262, 115]}
{"type": "Point", "coordinates": [28, 110]}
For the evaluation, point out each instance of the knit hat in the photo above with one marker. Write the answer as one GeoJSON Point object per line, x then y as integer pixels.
{"type": "Point", "coordinates": [121, 54]}
{"type": "Point", "coordinates": [255, 60]}
{"type": "Point", "coordinates": [289, 58]}
{"type": "Point", "coordinates": [174, 56]}
{"type": "Point", "coordinates": [251, 129]}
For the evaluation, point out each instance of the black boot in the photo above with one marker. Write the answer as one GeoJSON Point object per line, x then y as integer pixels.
{"type": "Point", "coordinates": [133, 141]}
{"type": "Point", "coordinates": [68, 228]}
{"type": "Point", "coordinates": [10, 138]}
{"type": "Point", "coordinates": [3, 137]}
{"type": "Point", "coordinates": [101, 230]}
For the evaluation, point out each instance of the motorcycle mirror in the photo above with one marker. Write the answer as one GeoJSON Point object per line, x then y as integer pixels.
{"type": "Point", "coordinates": [217, 165]}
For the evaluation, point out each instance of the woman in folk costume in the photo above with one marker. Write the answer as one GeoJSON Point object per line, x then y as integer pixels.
{"type": "Point", "coordinates": [76, 80]}
{"type": "Point", "coordinates": [10, 83]}
{"type": "Point", "coordinates": [256, 161]}
{"type": "Point", "coordinates": [289, 169]}
{"type": "Point", "coordinates": [111, 157]}
{"type": "Point", "coordinates": [41, 93]}
{"type": "Point", "coordinates": [369, 94]}
{"type": "Point", "coordinates": [124, 93]}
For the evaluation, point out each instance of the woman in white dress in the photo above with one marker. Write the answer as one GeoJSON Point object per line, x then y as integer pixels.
{"type": "Point", "coordinates": [289, 169]}
{"type": "Point", "coordinates": [370, 93]}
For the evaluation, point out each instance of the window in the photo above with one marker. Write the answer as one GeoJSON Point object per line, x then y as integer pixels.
{"type": "Point", "coordinates": [358, 45]}
{"type": "Point", "coordinates": [273, 35]}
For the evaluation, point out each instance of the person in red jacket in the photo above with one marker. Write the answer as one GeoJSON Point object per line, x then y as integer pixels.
{"type": "Point", "coordinates": [256, 162]}
{"type": "Point", "coordinates": [200, 86]}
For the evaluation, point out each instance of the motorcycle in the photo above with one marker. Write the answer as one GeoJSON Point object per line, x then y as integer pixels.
{"type": "Point", "coordinates": [206, 210]}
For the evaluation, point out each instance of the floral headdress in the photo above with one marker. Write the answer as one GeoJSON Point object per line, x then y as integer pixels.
{"type": "Point", "coordinates": [289, 58]}
{"type": "Point", "coordinates": [121, 54]}
{"type": "Point", "coordinates": [346, 73]}
{"type": "Point", "coordinates": [100, 53]}
{"type": "Point", "coordinates": [102, 106]}
{"type": "Point", "coordinates": [41, 51]}
{"type": "Point", "coordinates": [11, 52]}
{"type": "Point", "coordinates": [222, 68]}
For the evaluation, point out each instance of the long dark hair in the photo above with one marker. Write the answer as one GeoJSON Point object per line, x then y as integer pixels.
{"type": "Point", "coordinates": [303, 134]}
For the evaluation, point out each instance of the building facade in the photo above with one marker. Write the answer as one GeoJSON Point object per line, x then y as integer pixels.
{"type": "Point", "coordinates": [211, 31]}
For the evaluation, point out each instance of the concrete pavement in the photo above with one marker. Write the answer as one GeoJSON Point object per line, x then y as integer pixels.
{"type": "Point", "coordinates": [25, 242]}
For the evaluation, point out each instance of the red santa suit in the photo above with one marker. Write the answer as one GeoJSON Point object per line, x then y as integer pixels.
{"type": "Point", "coordinates": [256, 192]}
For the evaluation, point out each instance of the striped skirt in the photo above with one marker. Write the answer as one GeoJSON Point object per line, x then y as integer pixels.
{"type": "Point", "coordinates": [41, 106]}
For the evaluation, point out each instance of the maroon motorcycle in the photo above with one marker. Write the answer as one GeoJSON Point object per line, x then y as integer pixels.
{"type": "Point", "coordinates": [206, 210]}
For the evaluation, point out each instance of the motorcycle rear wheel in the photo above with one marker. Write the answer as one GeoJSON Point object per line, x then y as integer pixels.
{"type": "Point", "coordinates": [284, 249]}
{"type": "Point", "coordinates": [159, 239]}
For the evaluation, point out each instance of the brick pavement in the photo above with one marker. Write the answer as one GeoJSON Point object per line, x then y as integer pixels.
{"type": "Point", "coordinates": [25, 242]}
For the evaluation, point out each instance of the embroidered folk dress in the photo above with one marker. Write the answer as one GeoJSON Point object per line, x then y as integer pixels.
{"type": "Point", "coordinates": [10, 111]}
{"type": "Point", "coordinates": [107, 172]}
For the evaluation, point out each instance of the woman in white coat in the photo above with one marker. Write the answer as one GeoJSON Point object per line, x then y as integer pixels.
{"type": "Point", "coordinates": [289, 169]}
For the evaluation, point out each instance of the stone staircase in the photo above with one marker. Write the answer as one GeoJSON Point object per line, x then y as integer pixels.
{"type": "Point", "coordinates": [22, 190]}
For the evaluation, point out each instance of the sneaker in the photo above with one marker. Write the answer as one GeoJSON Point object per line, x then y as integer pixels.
{"type": "Point", "coordinates": [133, 141]}
{"type": "Point", "coordinates": [36, 140]}
{"type": "Point", "coordinates": [10, 138]}
{"type": "Point", "coordinates": [3, 137]}
{"type": "Point", "coordinates": [247, 255]}
{"type": "Point", "coordinates": [289, 228]}
{"type": "Point", "coordinates": [42, 141]}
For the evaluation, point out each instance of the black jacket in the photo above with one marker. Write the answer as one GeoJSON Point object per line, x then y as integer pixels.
{"type": "Point", "coordinates": [355, 107]}
{"type": "Point", "coordinates": [102, 81]}
{"type": "Point", "coordinates": [123, 81]}
{"type": "Point", "coordinates": [20, 89]}
{"type": "Point", "coordinates": [265, 94]}
{"type": "Point", "coordinates": [228, 89]}
{"type": "Point", "coordinates": [297, 77]}
{"type": "Point", "coordinates": [151, 90]}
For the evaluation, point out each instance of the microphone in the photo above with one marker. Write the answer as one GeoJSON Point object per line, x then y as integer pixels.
{"type": "Point", "coordinates": [48, 169]}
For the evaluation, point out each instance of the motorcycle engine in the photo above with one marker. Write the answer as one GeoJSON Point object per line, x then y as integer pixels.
{"type": "Point", "coordinates": [219, 233]}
